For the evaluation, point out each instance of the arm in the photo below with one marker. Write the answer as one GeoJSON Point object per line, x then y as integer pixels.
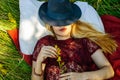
{"type": "Point", "coordinates": [105, 70]}
{"type": "Point", "coordinates": [37, 70]}
{"type": "Point", "coordinates": [38, 66]}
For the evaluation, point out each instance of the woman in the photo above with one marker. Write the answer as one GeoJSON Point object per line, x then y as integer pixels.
{"type": "Point", "coordinates": [74, 51]}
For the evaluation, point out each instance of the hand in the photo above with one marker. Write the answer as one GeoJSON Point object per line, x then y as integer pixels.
{"type": "Point", "coordinates": [47, 51]}
{"type": "Point", "coordinates": [73, 76]}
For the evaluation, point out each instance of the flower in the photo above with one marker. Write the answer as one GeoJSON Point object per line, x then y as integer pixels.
{"type": "Point", "coordinates": [59, 60]}
{"type": "Point", "coordinates": [11, 19]}
{"type": "Point", "coordinates": [4, 71]}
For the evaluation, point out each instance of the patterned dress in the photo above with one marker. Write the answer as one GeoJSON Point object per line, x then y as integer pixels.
{"type": "Point", "coordinates": [75, 53]}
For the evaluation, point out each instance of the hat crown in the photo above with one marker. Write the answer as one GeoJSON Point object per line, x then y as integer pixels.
{"type": "Point", "coordinates": [59, 12]}
{"type": "Point", "coordinates": [62, 8]}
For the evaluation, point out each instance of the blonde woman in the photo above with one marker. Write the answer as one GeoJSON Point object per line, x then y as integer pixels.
{"type": "Point", "coordinates": [75, 51]}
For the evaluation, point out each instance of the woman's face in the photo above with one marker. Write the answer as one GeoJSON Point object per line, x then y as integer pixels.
{"type": "Point", "coordinates": [63, 31]}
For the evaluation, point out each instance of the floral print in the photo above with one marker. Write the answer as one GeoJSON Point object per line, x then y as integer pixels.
{"type": "Point", "coordinates": [75, 53]}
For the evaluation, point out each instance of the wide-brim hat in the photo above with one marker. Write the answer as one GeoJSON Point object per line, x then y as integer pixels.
{"type": "Point", "coordinates": [59, 12]}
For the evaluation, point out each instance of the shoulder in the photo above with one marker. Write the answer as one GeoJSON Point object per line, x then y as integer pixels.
{"type": "Point", "coordinates": [88, 43]}
{"type": "Point", "coordinates": [46, 40]}
{"type": "Point", "coordinates": [83, 39]}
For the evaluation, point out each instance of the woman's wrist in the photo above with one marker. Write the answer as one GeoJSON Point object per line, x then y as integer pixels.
{"type": "Point", "coordinates": [38, 74]}
{"type": "Point", "coordinates": [84, 75]}
{"type": "Point", "coordinates": [38, 69]}
{"type": "Point", "coordinates": [39, 61]}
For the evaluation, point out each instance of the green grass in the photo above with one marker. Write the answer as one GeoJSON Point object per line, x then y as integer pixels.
{"type": "Point", "coordinates": [12, 65]}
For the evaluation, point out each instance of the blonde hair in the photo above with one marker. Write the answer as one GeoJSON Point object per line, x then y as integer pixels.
{"type": "Point", "coordinates": [84, 30]}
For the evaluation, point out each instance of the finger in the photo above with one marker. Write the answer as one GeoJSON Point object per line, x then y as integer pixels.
{"type": "Point", "coordinates": [48, 54]}
{"type": "Point", "coordinates": [65, 75]}
{"type": "Point", "coordinates": [65, 78]}
{"type": "Point", "coordinates": [51, 47]}
{"type": "Point", "coordinates": [51, 50]}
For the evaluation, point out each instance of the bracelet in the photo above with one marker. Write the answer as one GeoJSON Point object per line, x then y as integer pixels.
{"type": "Point", "coordinates": [37, 73]}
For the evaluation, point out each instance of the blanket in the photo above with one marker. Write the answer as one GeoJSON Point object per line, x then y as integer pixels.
{"type": "Point", "coordinates": [112, 26]}
{"type": "Point", "coordinates": [34, 27]}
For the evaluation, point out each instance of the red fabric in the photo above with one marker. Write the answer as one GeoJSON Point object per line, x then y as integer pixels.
{"type": "Point", "coordinates": [27, 58]}
{"type": "Point", "coordinates": [112, 26]}
{"type": "Point", "coordinates": [15, 37]}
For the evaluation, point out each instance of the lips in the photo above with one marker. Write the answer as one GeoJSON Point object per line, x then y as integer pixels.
{"type": "Point", "coordinates": [63, 29]}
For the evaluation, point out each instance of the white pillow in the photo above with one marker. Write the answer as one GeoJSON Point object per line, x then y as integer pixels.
{"type": "Point", "coordinates": [32, 28]}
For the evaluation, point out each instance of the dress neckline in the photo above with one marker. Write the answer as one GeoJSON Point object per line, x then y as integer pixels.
{"type": "Point", "coordinates": [66, 41]}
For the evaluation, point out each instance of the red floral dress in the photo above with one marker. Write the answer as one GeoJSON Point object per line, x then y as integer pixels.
{"type": "Point", "coordinates": [75, 53]}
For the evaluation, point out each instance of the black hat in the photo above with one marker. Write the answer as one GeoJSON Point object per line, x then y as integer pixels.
{"type": "Point", "coordinates": [59, 12]}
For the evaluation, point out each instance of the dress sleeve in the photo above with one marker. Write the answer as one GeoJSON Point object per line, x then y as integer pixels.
{"type": "Point", "coordinates": [39, 45]}
{"type": "Point", "coordinates": [37, 50]}
{"type": "Point", "coordinates": [91, 46]}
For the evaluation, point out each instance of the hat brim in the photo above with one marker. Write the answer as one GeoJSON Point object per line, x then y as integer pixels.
{"type": "Point", "coordinates": [55, 22]}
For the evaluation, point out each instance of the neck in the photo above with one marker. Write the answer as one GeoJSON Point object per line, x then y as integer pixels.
{"type": "Point", "coordinates": [59, 37]}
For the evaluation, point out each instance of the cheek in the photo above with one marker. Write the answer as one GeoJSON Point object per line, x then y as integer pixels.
{"type": "Point", "coordinates": [55, 30]}
{"type": "Point", "coordinates": [68, 30]}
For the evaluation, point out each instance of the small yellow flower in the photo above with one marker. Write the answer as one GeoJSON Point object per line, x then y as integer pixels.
{"type": "Point", "coordinates": [11, 19]}
{"type": "Point", "coordinates": [1, 66]}
{"type": "Point", "coordinates": [59, 59]}
{"type": "Point", "coordinates": [58, 49]}
{"type": "Point", "coordinates": [56, 46]}
{"type": "Point", "coordinates": [4, 71]}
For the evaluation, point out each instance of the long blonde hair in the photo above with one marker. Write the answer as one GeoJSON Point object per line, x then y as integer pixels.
{"type": "Point", "coordinates": [84, 30]}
